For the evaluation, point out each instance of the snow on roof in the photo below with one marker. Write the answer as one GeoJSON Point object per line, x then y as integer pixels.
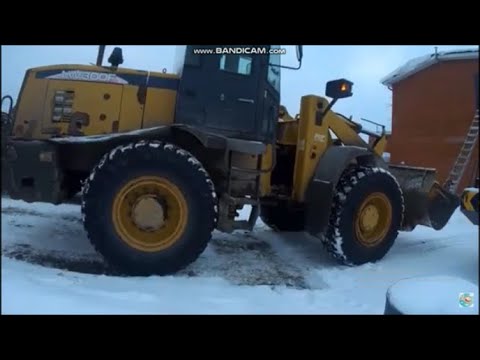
{"type": "Point", "coordinates": [415, 65]}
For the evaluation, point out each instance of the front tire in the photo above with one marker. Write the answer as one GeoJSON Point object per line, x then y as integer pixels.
{"type": "Point", "coordinates": [149, 208]}
{"type": "Point", "coordinates": [366, 216]}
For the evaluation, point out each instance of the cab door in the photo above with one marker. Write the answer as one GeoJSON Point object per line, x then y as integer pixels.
{"type": "Point", "coordinates": [223, 92]}
{"type": "Point", "coordinates": [233, 97]}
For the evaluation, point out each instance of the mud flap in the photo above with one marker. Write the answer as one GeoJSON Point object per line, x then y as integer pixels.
{"type": "Point", "coordinates": [426, 202]}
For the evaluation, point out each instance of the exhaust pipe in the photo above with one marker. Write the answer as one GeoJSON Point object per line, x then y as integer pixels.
{"type": "Point", "coordinates": [101, 53]}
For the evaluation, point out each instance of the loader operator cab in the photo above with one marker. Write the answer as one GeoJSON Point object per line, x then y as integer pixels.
{"type": "Point", "coordinates": [232, 91]}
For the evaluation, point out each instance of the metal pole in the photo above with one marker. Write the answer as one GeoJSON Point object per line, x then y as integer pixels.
{"type": "Point", "coordinates": [101, 52]}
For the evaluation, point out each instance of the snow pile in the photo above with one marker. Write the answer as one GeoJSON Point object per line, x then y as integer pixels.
{"type": "Point", "coordinates": [444, 295]}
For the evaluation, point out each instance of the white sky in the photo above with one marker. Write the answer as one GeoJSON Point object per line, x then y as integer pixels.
{"type": "Point", "coordinates": [364, 65]}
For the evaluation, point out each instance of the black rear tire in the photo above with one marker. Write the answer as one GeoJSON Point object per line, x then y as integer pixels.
{"type": "Point", "coordinates": [125, 164]}
{"type": "Point", "coordinates": [342, 240]}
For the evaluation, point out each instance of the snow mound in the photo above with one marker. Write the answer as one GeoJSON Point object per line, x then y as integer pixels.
{"type": "Point", "coordinates": [434, 295]}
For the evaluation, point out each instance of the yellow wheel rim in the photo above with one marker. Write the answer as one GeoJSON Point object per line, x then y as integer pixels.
{"type": "Point", "coordinates": [373, 219]}
{"type": "Point", "coordinates": [150, 213]}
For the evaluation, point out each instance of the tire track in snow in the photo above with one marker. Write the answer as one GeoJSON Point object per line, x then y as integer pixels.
{"type": "Point", "coordinates": [11, 210]}
{"type": "Point", "coordinates": [238, 258]}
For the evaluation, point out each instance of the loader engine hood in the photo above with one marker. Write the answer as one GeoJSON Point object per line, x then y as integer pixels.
{"type": "Point", "coordinates": [79, 100]}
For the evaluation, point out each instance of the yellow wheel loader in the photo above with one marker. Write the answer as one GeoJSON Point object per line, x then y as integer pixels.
{"type": "Point", "coordinates": [163, 159]}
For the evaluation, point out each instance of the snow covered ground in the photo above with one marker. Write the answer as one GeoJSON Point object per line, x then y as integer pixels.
{"type": "Point", "coordinates": [48, 267]}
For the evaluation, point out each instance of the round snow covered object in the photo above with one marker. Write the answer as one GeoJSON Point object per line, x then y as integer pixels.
{"type": "Point", "coordinates": [436, 295]}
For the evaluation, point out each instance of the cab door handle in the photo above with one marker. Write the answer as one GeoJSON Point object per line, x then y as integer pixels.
{"type": "Point", "coordinates": [251, 101]}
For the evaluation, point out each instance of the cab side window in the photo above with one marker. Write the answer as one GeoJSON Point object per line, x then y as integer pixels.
{"type": "Point", "coordinates": [239, 64]}
{"type": "Point", "coordinates": [273, 76]}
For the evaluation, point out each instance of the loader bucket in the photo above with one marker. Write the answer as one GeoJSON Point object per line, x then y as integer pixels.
{"type": "Point", "coordinates": [426, 202]}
